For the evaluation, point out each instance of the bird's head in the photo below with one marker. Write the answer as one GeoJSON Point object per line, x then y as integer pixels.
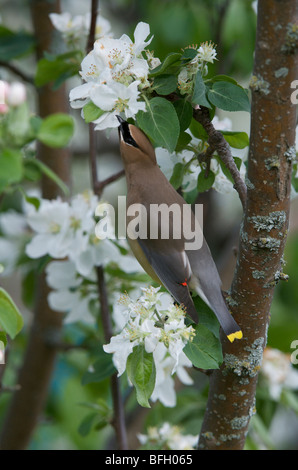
{"type": "Point", "coordinates": [134, 144]}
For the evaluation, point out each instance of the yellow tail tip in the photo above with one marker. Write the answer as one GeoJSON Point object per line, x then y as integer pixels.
{"type": "Point", "coordinates": [236, 335]}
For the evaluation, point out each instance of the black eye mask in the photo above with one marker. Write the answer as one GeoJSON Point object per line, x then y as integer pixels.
{"type": "Point", "coordinates": [124, 129]}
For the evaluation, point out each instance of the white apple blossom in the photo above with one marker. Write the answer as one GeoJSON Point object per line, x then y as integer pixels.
{"type": "Point", "coordinates": [185, 81]}
{"type": "Point", "coordinates": [75, 29]}
{"type": "Point", "coordinates": [11, 95]}
{"type": "Point", "coordinates": [154, 321]}
{"type": "Point", "coordinates": [169, 437]}
{"type": "Point", "coordinates": [67, 229]}
{"type": "Point", "coordinates": [4, 87]}
{"type": "Point", "coordinates": [166, 366]}
{"type": "Point", "coordinates": [16, 94]}
{"type": "Point", "coordinates": [207, 52]}
{"type": "Point", "coordinates": [70, 294]}
{"type": "Point", "coordinates": [114, 73]}
{"type": "Point", "coordinates": [66, 23]}
{"type": "Point", "coordinates": [13, 229]}
{"type": "Point", "coordinates": [114, 100]}
{"type": "Point", "coordinates": [121, 347]}
{"type": "Point", "coordinates": [141, 33]}
{"type": "Point", "coordinates": [51, 222]}
{"type": "Point", "coordinates": [62, 275]}
{"type": "Point", "coordinates": [278, 372]}
{"type": "Point", "coordinates": [153, 62]}
{"type": "Point", "coordinates": [102, 28]}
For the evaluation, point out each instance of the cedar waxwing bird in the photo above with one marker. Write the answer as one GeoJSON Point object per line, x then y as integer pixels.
{"type": "Point", "coordinates": [167, 260]}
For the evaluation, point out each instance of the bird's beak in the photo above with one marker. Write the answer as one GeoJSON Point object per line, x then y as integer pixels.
{"type": "Point", "coordinates": [120, 127]}
{"type": "Point", "coordinates": [121, 121]}
{"type": "Point", "coordinates": [124, 132]}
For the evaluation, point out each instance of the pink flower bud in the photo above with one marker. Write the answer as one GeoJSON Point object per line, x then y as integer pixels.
{"type": "Point", "coordinates": [4, 88]}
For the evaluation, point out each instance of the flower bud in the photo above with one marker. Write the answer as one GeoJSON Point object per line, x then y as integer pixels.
{"type": "Point", "coordinates": [16, 94]}
{"type": "Point", "coordinates": [4, 87]}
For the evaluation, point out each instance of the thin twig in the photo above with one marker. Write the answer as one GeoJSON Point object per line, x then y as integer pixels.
{"type": "Point", "coordinates": [92, 157]}
{"type": "Point", "coordinates": [118, 420]}
{"type": "Point", "coordinates": [92, 28]}
{"type": "Point", "coordinates": [119, 417]}
{"type": "Point", "coordinates": [99, 187]}
{"type": "Point", "coordinates": [217, 142]}
{"type": "Point", "coordinates": [206, 158]}
{"type": "Point", "coordinates": [17, 71]}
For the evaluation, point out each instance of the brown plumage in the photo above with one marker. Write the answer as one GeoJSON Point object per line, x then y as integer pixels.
{"type": "Point", "coordinates": [166, 260]}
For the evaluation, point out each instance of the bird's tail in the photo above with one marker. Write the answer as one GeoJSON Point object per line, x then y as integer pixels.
{"type": "Point", "coordinates": [206, 282]}
{"type": "Point", "coordinates": [213, 297]}
{"type": "Point", "coordinates": [228, 324]}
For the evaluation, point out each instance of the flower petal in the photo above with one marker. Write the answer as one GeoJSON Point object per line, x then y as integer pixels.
{"type": "Point", "coordinates": [104, 97]}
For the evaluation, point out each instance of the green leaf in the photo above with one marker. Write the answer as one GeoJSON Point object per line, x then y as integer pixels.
{"type": "Point", "coordinates": [31, 171]}
{"type": "Point", "coordinates": [229, 97]}
{"type": "Point", "coordinates": [29, 285]}
{"type": "Point", "coordinates": [11, 167]}
{"type": "Point", "coordinates": [261, 431]}
{"type": "Point", "coordinates": [198, 130]}
{"type": "Point", "coordinates": [56, 130]}
{"type": "Point", "coordinates": [92, 112]}
{"type": "Point", "coordinates": [141, 371]}
{"type": "Point", "coordinates": [35, 123]}
{"type": "Point", "coordinates": [101, 369]}
{"type": "Point", "coordinates": [14, 45]}
{"type": "Point", "coordinates": [200, 92]}
{"type": "Point", "coordinates": [165, 84]}
{"type": "Point", "coordinates": [57, 69]}
{"type": "Point", "coordinates": [87, 424]}
{"type": "Point", "coordinates": [100, 416]}
{"type": "Point", "coordinates": [184, 112]}
{"type": "Point", "coordinates": [222, 78]}
{"type": "Point", "coordinates": [177, 176]}
{"type": "Point", "coordinates": [207, 316]}
{"type": "Point", "coordinates": [183, 141]}
{"type": "Point", "coordinates": [18, 124]}
{"type": "Point", "coordinates": [189, 54]}
{"type": "Point", "coordinates": [203, 183]}
{"type": "Point", "coordinates": [160, 123]}
{"type": "Point", "coordinates": [11, 320]}
{"type": "Point", "coordinates": [289, 399]}
{"type": "Point", "coordinates": [171, 59]}
{"type": "Point", "coordinates": [237, 140]}
{"type": "Point", "coordinates": [3, 338]}
{"type": "Point", "coordinates": [48, 172]}
{"type": "Point", "coordinates": [225, 170]}
{"type": "Point", "coordinates": [204, 351]}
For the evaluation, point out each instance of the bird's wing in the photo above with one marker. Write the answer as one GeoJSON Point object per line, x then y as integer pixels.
{"type": "Point", "coordinates": [173, 270]}
{"type": "Point", "coordinates": [206, 275]}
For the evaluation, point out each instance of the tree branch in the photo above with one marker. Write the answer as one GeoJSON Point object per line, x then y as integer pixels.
{"type": "Point", "coordinates": [100, 185]}
{"type": "Point", "coordinates": [263, 235]}
{"type": "Point", "coordinates": [17, 71]}
{"type": "Point", "coordinates": [92, 28]}
{"type": "Point", "coordinates": [217, 142]}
